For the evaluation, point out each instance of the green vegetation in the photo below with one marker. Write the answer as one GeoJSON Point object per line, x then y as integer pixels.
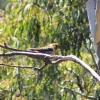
{"type": "Point", "coordinates": [35, 23]}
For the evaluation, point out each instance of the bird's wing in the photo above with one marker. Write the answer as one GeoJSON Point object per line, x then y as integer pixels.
{"type": "Point", "coordinates": [46, 50]}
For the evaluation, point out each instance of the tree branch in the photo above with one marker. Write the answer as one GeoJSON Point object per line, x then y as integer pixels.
{"type": "Point", "coordinates": [90, 51]}
{"type": "Point", "coordinates": [39, 69]}
{"type": "Point", "coordinates": [50, 59]}
{"type": "Point", "coordinates": [18, 66]}
{"type": "Point", "coordinates": [9, 48]}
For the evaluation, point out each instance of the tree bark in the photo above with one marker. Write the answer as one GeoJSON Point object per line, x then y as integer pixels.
{"type": "Point", "coordinates": [93, 11]}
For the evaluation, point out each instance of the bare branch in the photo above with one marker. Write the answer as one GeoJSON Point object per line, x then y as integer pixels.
{"type": "Point", "coordinates": [18, 66]}
{"type": "Point", "coordinates": [39, 69]}
{"type": "Point", "coordinates": [48, 59]}
{"type": "Point", "coordinates": [9, 48]}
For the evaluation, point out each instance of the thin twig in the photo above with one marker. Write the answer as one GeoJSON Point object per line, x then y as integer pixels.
{"type": "Point", "coordinates": [42, 7]}
{"type": "Point", "coordinates": [18, 66]}
{"type": "Point", "coordinates": [39, 69]}
{"type": "Point", "coordinates": [89, 50]}
{"type": "Point", "coordinates": [9, 48]}
{"type": "Point", "coordinates": [72, 90]}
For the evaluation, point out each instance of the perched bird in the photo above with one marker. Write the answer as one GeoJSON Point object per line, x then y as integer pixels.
{"type": "Point", "coordinates": [50, 49]}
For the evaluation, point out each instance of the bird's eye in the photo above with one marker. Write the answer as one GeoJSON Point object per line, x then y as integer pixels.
{"type": "Point", "coordinates": [56, 46]}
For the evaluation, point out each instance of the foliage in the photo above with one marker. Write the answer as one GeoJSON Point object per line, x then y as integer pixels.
{"type": "Point", "coordinates": [37, 23]}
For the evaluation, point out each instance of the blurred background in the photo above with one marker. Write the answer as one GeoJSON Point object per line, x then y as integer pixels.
{"type": "Point", "coordinates": [36, 23]}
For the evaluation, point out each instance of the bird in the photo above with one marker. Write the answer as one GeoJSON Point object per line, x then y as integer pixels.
{"type": "Point", "coordinates": [49, 49]}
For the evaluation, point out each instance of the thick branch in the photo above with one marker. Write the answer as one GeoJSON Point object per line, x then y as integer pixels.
{"type": "Point", "coordinates": [48, 59]}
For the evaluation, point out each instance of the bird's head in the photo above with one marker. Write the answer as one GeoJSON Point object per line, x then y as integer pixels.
{"type": "Point", "coordinates": [54, 45]}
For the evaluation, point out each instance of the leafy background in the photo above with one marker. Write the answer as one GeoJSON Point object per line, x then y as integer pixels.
{"type": "Point", "coordinates": [36, 23]}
